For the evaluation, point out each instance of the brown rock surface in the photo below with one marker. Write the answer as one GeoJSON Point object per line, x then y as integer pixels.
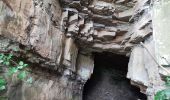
{"type": "Point", "coordinates": [63, 34]}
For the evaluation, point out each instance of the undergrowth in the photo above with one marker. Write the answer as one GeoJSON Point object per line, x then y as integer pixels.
{"type": "Point", "coordinates": [13, 67]}
{"type": "Point", "coordinates": [164, 94]}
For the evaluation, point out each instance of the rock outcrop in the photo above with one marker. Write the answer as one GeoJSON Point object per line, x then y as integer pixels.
{"type": "Point", "coordinates": [61, 36]}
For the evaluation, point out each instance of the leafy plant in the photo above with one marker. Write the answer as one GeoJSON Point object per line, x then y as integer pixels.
{"type": "Point", "coordinates": [167, 81]}
{"type": "Point", "coordinates": [22, 75]}
{"type": "Point", "coordinates": [164, 94]}
{"type": "Point", "coordinates": [13, 68]}
{"type": "Point", "coordinates": [2, 84]}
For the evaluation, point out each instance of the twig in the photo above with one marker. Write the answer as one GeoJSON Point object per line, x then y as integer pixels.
{"type": "Point", "coordinates": [165, 60]}
{"type": "Point", "coordinates": [155, 59]}
{"type": "Point", "coordinates": [14, 62]}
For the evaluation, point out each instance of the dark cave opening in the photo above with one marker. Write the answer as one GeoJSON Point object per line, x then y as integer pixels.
{"type": "Point", "coordinates": [109, 82]}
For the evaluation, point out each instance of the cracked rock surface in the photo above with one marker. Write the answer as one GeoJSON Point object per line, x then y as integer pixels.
{"type": "Point", "coordinates": [61, 36]}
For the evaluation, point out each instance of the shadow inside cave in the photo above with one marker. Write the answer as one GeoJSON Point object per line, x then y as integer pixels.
{"type": "Point", "coordinates": [109, 81]}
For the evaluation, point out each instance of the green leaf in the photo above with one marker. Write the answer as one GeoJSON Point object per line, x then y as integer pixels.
{"type": "Point", "coordinates": [25, 65]}
{"type": "Point", "coordinates": [2, 84]}
{"type": "Point", "coordinates": [21, 63]}
{"type": "Point", "coordinates": [1, 61]}
{"type": "Point", "coordinates": [21, 75]}
{"type": "Point", "coordinates": [2, 87]}
{"type": "Point", "coordinates": [163, 95]}
{"type": "Point", "coordinates": [2, 81]}
{"type": "Point", "coordinates": [7, 63]}
{"type": "Point", "coordinates": [12, 70]}
{"type": "Point", "coordinates": [167, 80]}
{"type": "Point", "coordinates": [2, 56]}
{"type": "Point", "coordinates": [20, 67]}
{"type": "Point", "coordinates": [9, 56]}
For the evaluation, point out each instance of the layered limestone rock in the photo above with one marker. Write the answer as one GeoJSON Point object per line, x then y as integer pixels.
{"type": "Point", "coordinates": [62, 35]}
{"type": "Point", "coordinates": [98, 22]}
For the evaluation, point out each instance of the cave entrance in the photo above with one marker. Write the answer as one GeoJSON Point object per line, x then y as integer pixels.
{"type": "Point", "coordinates": [109, 82]}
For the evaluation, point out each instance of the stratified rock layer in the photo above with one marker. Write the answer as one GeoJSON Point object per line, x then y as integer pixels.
{"type": "Point", "coordinates": [61, 36]}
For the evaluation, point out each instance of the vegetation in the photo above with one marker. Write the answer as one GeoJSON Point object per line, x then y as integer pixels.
{"type": "Point", "coordinates": [13, 67]}
{"type": "Point", "coordinates": [164, 94]}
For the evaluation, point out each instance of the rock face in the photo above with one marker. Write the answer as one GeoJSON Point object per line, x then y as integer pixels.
{"type": "Point", "coordinates": [61, 36]}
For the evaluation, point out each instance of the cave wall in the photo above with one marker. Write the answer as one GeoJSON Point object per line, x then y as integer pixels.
{"type": "Point", "coordinates": [35, 24]}
{"type": "Point", "coordinates": [61, 36]}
